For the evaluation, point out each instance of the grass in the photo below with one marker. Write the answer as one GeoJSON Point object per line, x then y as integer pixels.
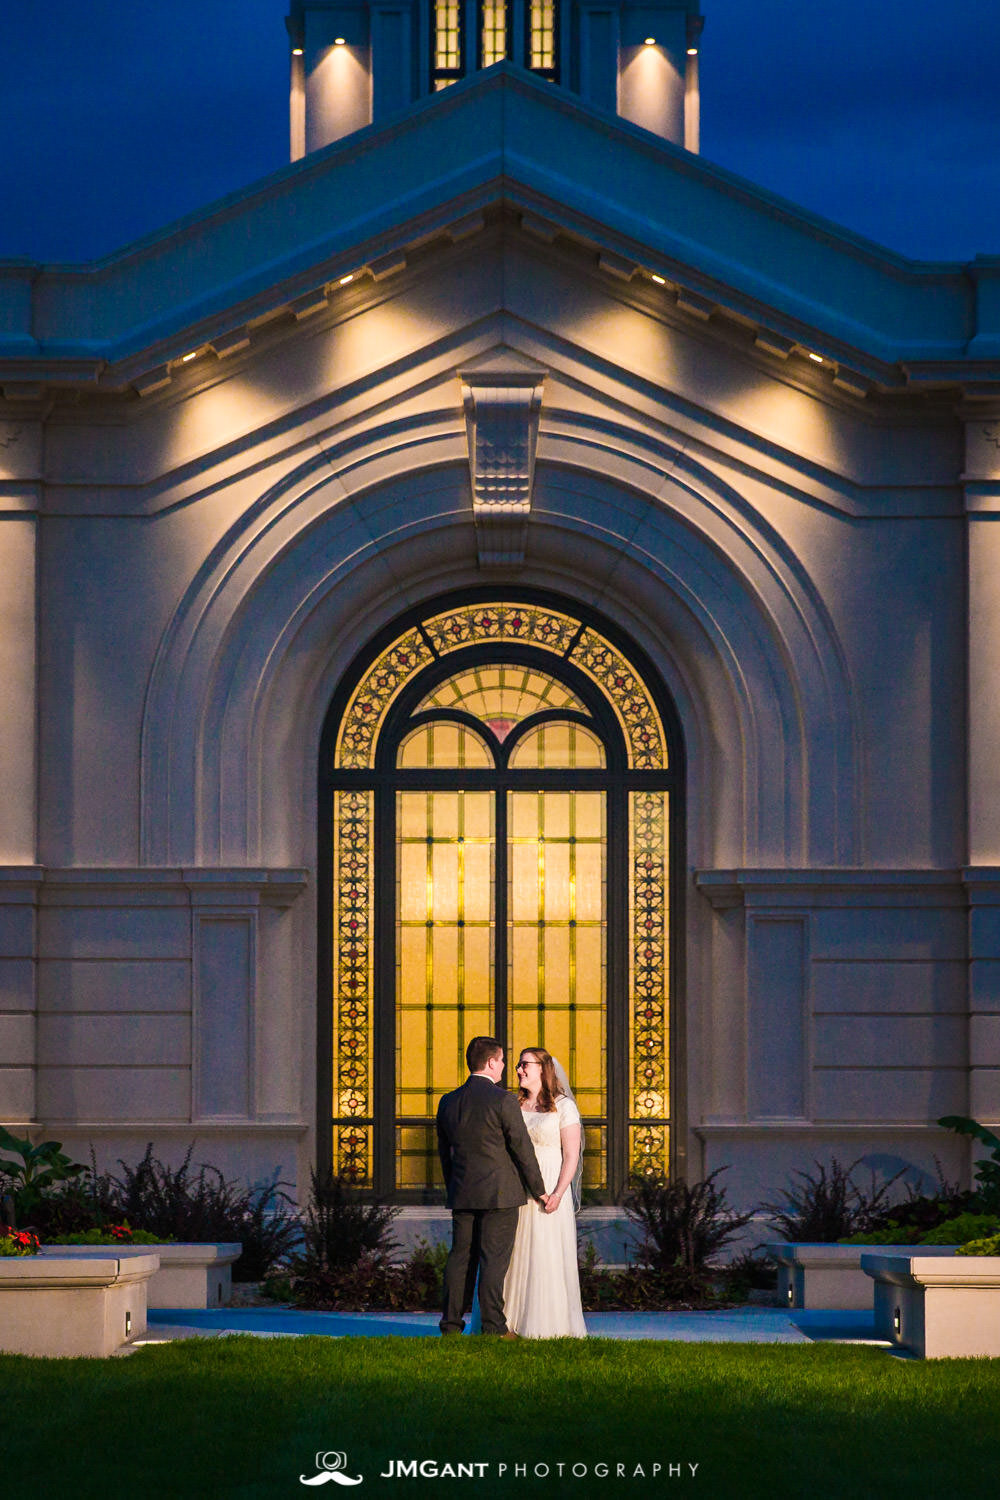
{"type": "Point", "coordinates": [242, 1419]}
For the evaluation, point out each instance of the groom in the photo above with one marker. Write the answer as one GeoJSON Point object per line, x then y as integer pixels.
{"type": "Point", "coordinates": [489, 1167]}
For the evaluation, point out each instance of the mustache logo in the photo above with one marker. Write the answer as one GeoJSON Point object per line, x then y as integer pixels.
{"type": "Point", "coordinates": [331, 1466]}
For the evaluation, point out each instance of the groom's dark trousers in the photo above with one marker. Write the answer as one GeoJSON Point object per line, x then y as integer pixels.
{"type": "Point", "coordinates": [490, 1168]}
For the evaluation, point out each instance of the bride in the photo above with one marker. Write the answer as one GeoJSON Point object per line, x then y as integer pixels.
{"type": "Point", "coordinates": [542, 1288]}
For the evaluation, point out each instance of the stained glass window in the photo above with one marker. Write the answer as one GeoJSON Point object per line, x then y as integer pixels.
{"type": "Point", "coordinates": [499, 816]}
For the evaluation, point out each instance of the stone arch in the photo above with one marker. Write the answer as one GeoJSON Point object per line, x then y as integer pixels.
{"type": "Point", "coordinates": [637, 529]}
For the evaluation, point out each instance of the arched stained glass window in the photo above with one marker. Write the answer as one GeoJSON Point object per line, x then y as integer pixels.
{"type": "Point", "coordinates": [497, 783]}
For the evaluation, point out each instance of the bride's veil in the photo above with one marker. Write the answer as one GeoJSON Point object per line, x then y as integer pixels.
{"type": "Point", "coordinates": [563, 1081]}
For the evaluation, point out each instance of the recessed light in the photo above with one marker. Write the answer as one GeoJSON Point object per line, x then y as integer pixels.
{"type": "Point", "coordinates": [345, 279]}
{"type": "Point", "coordinates": [297, 51]}
{"type": "Point", "coordinates": [186, 357]}
{"type": "Point", "coordinates": [692, 52]}
{"type": "Point", "coordinates": [650, 41]}
{"type": "Point", "coordinates": [660, 280]}
{"type": "Point", "coordinates": [818, 358]}
{"type": "Point", "coordinates": [339, 41]}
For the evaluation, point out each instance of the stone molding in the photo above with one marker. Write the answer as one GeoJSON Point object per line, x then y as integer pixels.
{"type": "Point", "coordinates": [150, 886]}
{"type": "Point", "coordinates": [502, 412]}
{"type": "Point", "coordinates": [726, 889]}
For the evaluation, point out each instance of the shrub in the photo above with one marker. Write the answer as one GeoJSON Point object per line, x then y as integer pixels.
{"type": "Point", "coordinates": [340, 1226]}
{"type": "Point", "coordinates": [36, 1170]}
{"type": "Point", "coordinates": [962, 1230]}
{"type": "Point", "coordinates": [369, 1282]}
{"type": "Point", "coordinates": [827, 1205]}
{"type": "Point", "coordinates": [987, 1168]}
{"type": "Point", "coordinates": [891, 1234]}
{"type": "Point", "coordinates": [17, 1241]}
{"type": "Point", "coordinates": [181, 1204]}
{"type": "Point", "coordinates": [683, 1224]}
{"type": "Point", "coordinates": [642, 1288]}
{"type": "Point", "coordinates": [990, 1246]}
{"type": "Point", "coordinates": [749, 1272]}
{"type": "Point", "coordinates": [117, 1234]}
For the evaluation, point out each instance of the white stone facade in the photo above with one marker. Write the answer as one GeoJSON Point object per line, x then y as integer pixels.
{"type": "Point", "coordinates": [195, 549]}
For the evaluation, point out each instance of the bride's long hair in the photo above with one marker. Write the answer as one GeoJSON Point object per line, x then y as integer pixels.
{"type": "Point", "coordinates": [550, 1090]}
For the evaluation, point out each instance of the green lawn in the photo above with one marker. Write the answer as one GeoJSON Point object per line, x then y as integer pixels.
{"type": "Point", "coordinates": [242, 1417]}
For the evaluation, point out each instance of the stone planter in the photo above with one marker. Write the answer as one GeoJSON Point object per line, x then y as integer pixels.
{"type": "Point", "coordinates": [67, 1305]}
{"type": "Point", "coordinates": [938, 1308]}
{"type": "Point", "coordinates": [830, 1276]}
{"type": "Point", "coordinates": [188, 1275]}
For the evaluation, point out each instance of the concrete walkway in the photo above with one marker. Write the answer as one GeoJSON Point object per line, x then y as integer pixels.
{"type": "Point", "coordinates": [751, 1325]}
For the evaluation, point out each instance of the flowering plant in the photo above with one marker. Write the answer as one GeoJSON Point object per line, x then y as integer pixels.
{"type": "Point", "coordinates": [17, 1241]}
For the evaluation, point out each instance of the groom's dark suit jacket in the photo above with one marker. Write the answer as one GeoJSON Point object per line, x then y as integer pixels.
{"type": "Point", "coordinates": [486, 1153]}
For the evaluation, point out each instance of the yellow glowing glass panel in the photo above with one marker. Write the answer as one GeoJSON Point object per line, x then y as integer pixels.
{"type": "Point", "coordinates": [443, 745]}
{"type": "Point", "coordinates": [501, 695]}
{"type": "Point", "coordinates": [629, 697]}
{"type": "Point", "coordinates": [494, 31]}
{"type": "Point", "coordinates": [557, 898]}
{"type": "Point", "coordinates": [555, 938]}
{"type": "Point", "coordinates": [447, 35]}
{"type": "Point", "coordinates": [542, 35]}
{"type": "Point", "coordinates": [352, 1011]}
{"type": "Point", "coordinates": [649, 1062]}
{"type": "Point", "coordinates": [374, 696]}
{"type": "Point", "coordinates": [558, 745]}
{"type": "Point", "coordinates": [444, 958]}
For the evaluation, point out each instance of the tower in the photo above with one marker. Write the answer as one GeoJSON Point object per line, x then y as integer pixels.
{"type": "Point", "coordinates": [356, 62]}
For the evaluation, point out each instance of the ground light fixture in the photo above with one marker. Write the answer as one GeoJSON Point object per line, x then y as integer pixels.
{"type": "Point", "coordinates": [897, 1321]}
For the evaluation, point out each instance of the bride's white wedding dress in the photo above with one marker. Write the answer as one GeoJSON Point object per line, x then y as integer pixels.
{"type": "Point", "coordinates": [542, 1290]}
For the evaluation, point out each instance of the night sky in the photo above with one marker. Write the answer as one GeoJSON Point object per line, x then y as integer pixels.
{"type": "Point", "coordinates": [118, 116]}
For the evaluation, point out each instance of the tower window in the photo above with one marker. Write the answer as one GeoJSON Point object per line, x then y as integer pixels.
{"type": "Point", "coordinates": [447, 53]}
{"type": "Point", "coordinates": [541, 49]}
{"type": "Point", "coordinates": [494, 36]}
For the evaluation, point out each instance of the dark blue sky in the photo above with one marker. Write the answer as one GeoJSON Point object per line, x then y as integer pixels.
{"type": "Point", "coordinates": [117, 116]}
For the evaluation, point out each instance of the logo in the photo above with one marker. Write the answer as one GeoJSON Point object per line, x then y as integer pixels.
{"type": "Point", "coordinates": [331, 1466]}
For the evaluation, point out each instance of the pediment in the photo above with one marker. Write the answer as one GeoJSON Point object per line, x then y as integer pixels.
{"type": "Point", "coordinates": [646, 214]}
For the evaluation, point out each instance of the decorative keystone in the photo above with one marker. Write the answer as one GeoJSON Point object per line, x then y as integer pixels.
{"type": "Point", "coordinates": [502, 411]}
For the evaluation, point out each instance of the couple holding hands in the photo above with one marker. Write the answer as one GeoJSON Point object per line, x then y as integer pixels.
{"type": "Point", "coordinates": [512, 1167]}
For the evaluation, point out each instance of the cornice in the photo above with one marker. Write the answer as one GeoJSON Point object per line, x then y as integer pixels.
{"type": "Point", "coordinates": [500, 141]}
{"type": "Point", "coordinates": [811, 888]}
